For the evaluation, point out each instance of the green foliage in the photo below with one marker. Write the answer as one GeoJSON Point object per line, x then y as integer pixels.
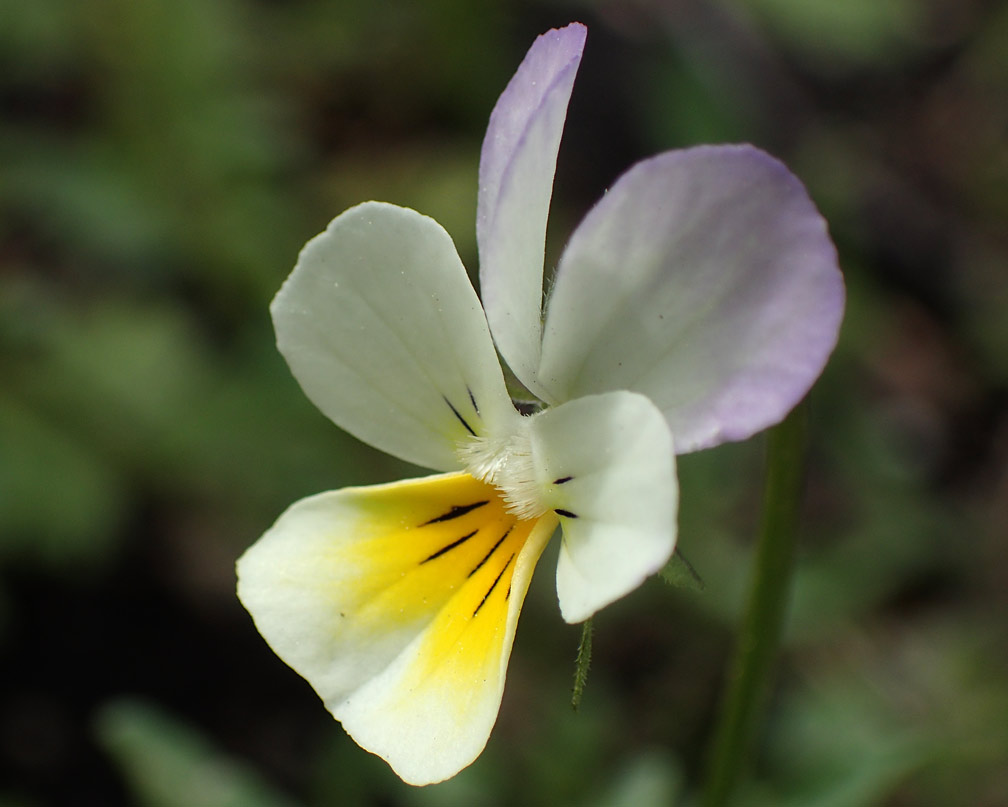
{"type": "Point", "coordinates": [64, 521]}
{"type": "Point", "coordinates": [168, 764]}
{"type": "Point", "coordinates": [858, 33]}
{"type": "Point", "coordinates": [652, 779]}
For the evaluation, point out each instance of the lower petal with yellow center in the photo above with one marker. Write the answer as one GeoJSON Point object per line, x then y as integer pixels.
{"type": "Point", "coordinates": [398, 603]}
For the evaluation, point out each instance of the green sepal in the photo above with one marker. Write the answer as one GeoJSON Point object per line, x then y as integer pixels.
{"type": "Point", "coordinates": [680, 573]}
{"type": "Point", "coordinates": [582, 663]}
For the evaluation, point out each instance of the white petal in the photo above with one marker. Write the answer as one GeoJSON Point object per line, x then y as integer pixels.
{"type": "Point", "coordinates": [704, 279]}
{"type": "Point", "coordinates": [517, 165]}
{"type": "Point", "coordinates": [398, 603]}
{"type": "Point", "coordinates": [607, 468]}
{"type": "Point", "coordinates": [383, 330]}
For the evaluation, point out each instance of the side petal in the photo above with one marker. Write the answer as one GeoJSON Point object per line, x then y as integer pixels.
{"type": "Point", "coordinates": [383, 330]}
{"type": "Point", "coordinates": [516, 171]}
{"type": "Point", "coordinates": [704, 279]}
{"type": "Point", "coordinates": [607, 468]}
{"type": "Point", "coordinates": [398, 603]}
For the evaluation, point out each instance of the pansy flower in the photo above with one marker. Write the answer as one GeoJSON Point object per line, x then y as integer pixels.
{"type": "Point", "coordinates": [696, 303]}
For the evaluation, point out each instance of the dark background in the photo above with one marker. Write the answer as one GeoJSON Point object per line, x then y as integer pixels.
{"type": "Point", "coordinates": [162, 162]}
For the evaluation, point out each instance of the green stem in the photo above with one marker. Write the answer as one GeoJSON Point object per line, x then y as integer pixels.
{"type": "Point", "coordinates": [760, 632]}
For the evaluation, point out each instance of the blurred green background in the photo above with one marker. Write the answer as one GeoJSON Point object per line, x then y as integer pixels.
{"type": "Point", "coordinates": [162, 162]}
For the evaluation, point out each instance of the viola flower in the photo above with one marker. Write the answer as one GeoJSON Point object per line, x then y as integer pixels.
{"type": "Point", "coordinates": [696, 303]}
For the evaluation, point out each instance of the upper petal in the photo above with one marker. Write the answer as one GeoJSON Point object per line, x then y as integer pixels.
{"type": "Point", "coordinates": [607, 468]}
{"type": "Point", "coordinates": [516, 171]}
{"type": "Point", "coordinates": [704, 279]}
{"type": "Point", "coordinates": [383, 330]}
{"type": "Point", "coordinates": [398, 603]}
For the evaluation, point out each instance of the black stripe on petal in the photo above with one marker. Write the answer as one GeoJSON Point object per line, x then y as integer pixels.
{"type": "Point", "coordinates": [450, 546]}
{"type": "Point", "coordinates": [566, 513]}
{"type": "Point", "coordinates": [462, 420]}
{"type": "Point", "coordinates": [457, 511]}
{"type": "Point", "coordinates": [492, 550]}
{"type": "Point", "coordinates": [493, 585]}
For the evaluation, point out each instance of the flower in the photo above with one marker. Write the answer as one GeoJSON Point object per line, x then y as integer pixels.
{"type": "Point", "coordinates": [696, 303]}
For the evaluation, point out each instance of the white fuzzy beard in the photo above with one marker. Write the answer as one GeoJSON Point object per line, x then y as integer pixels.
{"type": "Point", "coordinates": [506, 462]}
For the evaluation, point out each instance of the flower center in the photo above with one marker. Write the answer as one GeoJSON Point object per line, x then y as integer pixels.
{"type": "Point", "coordinates": [505, 460]}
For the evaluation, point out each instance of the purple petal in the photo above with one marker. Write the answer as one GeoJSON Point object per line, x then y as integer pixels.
{"type": "Point", "coordinates": [517, 165]}
{"type": "Point", "coordinates": [704, 279]}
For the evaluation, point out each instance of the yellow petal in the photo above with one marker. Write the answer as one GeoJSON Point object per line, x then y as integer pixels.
{"type": "Point", "coordinates": [398, 603]}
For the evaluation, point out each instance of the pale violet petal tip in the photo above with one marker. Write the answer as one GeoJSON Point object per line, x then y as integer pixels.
{"type": "Point", "coordinates": [705, 279]}
{"type": "Point", "coordinates": [547, 64]}
{"type": "Point", "coordinates": [517, 165]}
